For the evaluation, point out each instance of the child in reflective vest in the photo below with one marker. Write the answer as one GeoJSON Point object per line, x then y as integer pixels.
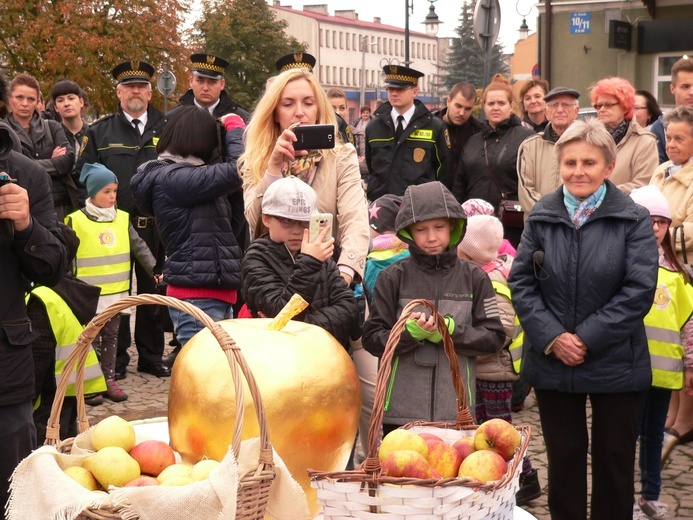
{"type": "Point", "coordinates": [669, 331]}
{"type": "Point", "coordinates": [107, 239]}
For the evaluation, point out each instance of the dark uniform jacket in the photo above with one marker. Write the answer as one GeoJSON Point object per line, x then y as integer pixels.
{"type": "Point", "coordinates": [226, 106]}
{"type": "Point", "coordinates": [459, 135]}
{"type": "Point", "coordinates": [40, 256]}
{"type": "Point", "coordinates": [270, 276]}
{"type": "Point", "coordinates": [420, 156]}
{"type": "Point", "coordinates": [113, 142]}
{"type": "Point", "coordinates": [598, 282]}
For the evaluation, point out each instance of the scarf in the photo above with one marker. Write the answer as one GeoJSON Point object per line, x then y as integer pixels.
{"type": "Point", "coordinates": [303, 167]}
{"type": "Point", "coordinates": [189, 159]}
{"type": "Point", "coordinates": [100, 214]}
{"type": "Point", "coordinates": [620, 131]}
{"type": "Point", "coordinates": [552, 135]}
{"type": "Point", "coordinates": [581, 210]}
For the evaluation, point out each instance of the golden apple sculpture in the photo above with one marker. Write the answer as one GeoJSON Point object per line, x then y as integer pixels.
{"type": "Point", "coordinates": [309, 387]}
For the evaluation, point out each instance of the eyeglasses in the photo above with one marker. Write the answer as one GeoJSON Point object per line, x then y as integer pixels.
{"type": "Point", "coordinates": [288, 223]}
{"type": "Point", "coordinates": [564, 106]}
{"type": "Point", "coordinates": [661, 222]}
{"type": "Point", "coordinates": [599, 106]}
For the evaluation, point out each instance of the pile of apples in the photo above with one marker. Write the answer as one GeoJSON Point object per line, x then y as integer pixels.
{"type": "Point", "coordinates": [483, 457]}
{"type": "Point", "coordinates": [119, 461]}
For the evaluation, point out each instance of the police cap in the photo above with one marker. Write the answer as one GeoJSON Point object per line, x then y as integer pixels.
{"type": "Point", "coordinates": [296, 60]}
{"type": "Point", "coordinates": [399, 76]}
{"type": "Point", "coordinates": [208, 65]}
{"type": "Point", "coordinates": [133, 72]}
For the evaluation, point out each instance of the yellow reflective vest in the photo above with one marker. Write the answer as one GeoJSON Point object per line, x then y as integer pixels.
{"type": "Point", "coordinates": [66, 329]}
{"type": "Point", "coordinates": [103, 257]}
{"type": "Point", "coordinates": [672, 307]}
{"type": "Point", "coordinates": [515, 347]}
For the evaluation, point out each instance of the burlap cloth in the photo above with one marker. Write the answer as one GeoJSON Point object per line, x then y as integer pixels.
{"type": "Point", "coordinates": [40, 489]}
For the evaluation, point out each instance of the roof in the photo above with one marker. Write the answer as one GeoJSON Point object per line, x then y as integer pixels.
{"type": "Point", "coordinates": [350, 22]}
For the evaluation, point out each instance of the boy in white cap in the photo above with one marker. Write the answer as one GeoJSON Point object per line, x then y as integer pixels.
{"type": "Point", "coordinates": [284, 262]}
{"type": "Point", "coordinates": [103, 259]}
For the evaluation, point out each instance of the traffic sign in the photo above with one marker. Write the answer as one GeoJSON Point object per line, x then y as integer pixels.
{"type": "Point", "coordinates": [166, 83]}
{"type": "Point", "coordinates": [487, 20]}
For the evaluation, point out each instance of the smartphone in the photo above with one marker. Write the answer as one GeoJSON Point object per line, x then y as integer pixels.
{"type": "Point", "coordinates": [5, 179]}
{"type": "Point", "coordinates": [314, 137]}
{"type": "Point", "coordinates": [317, 222]}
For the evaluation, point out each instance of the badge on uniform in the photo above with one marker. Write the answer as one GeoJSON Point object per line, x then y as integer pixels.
{"type": "Point", "coordinates": [447, 138]}
{"type": "Point", "coordinates": [83, 146]}
{"type": "Point", "coordinates": [419, 154]}
{"type": "Point", "coordinates": [155, 140]}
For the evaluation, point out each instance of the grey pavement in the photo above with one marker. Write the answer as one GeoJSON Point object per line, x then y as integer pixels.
{"type": "Point", "coordinates": [148, 397]}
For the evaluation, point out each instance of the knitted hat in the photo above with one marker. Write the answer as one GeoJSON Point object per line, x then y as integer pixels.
{"type": "Point", "coordinates": [482, 239]}
{"type": "Point", "coordinates": [95, 177]}
{"type": "Point", "coordinates": [477, 207]}
{"type": "Point", "coordinates": [383, 211]}
{"type": "Point", "coordinates": [290, 198]}
{"type": "Point", "coordinates": [651, 198]}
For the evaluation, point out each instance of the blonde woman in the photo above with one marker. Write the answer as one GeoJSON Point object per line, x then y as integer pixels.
{"type": "Point", "coordinates": [296, 98]}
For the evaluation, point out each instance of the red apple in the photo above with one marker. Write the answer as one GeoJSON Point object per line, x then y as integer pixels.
{"type": "Point", "coordinates": [143, 480]}
{"type": "Point", "coordinates": [465, 446]}
{"type": "Point", "coordinates": [484, 465]}
{"type": "Point", "coordinates": [499, 436]}
{"type": "Point", "coordinates": [406, 463]}
{"type": "Point", "coordinates": [153, 456]}
{"type": "Point", "coordinates": [444, 459]}
{"type": "Point", "coordinates": [430, 437]}
{"type": "Point", "coordinates": [401, 439]}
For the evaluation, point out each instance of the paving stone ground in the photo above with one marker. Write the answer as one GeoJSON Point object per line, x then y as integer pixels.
{"type": "Point", "coordinates": [148, 397]}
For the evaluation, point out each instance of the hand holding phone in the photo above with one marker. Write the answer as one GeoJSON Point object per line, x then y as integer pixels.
{"type": "Point", "coordinates": [319, 221]}
{"type": "Point", "coordinates": [314, 137]}
{"type": "Point", "coordinates": [322, 248]}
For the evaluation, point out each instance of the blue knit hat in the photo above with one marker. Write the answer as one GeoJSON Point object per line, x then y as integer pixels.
{"type": "Point", "coordinates": [95, 177]}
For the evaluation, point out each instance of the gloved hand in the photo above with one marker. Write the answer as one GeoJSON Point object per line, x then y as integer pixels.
{"type": "Point", "coordinates": [231, 121]}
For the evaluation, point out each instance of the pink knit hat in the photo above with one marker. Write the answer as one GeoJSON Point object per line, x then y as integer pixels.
{"type": "Point", "coordinates": [482, 238]}
{"type": "Point", "coordinates": [651, 198]}
{"type": "Point", "coordinates": [477, 207]}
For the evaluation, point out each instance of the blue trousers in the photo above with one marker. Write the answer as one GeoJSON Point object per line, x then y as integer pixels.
{"type": "Point", "coordinates": [185, 326]}
{"type": "Point", "coordinates": [653, 415]}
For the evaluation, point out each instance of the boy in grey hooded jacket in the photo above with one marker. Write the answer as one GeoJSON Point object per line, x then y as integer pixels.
{"type": "Point", "coordinates": [432, 222]}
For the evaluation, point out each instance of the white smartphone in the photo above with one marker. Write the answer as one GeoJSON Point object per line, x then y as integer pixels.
{"type": "Point", "coordinates": [317, 222]}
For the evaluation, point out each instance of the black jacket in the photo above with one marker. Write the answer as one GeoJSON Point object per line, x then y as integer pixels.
{"type": "Point", "coordinates": [420, 156]}
{"type": "Point", "coordinates": [459, 135]}
{"type": "Point", "coordinates": [473, 179]}
{"type": "Point", "coordinates": [226, 106]}
{"type": "Point", "coordinates": [113, 142]}
{"type": "Point", "coordinates": [597, 282]}
{"type": "Point", "coordinates": [40, 256]}
{"type": "Point", "coordinates": [271, 276]}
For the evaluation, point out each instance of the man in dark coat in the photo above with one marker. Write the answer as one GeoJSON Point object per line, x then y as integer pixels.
{"type": "Point", "coordinates": [405, 144]}
{"type": "Point", "coordinates": [121, 142]}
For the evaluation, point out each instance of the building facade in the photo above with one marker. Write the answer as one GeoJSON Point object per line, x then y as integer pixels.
{"type": "Point", "coordinates": [350, 53]}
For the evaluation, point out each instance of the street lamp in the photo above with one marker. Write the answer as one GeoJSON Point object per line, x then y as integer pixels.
{"type": "Point", "coordinates": [432, 22]}
{"type": "Point", "coordinates": [524, 28]}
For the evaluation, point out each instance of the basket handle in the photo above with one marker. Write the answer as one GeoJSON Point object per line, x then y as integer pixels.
{"type": "Point", "coordinates": [233, 354]}
{"type": "Point", "coordinates": [464, 418]}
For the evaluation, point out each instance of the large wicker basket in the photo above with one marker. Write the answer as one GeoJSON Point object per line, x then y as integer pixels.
{"type": "Point", "coordinates": [366, 493]}
{"type": "Point", "coordinates": [254, 485]}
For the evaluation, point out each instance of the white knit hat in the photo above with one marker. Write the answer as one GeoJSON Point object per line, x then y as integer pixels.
{"type": "Point", "coordinates": [651, 198]}
{"type": "Point", "coordinates": [482, 238]}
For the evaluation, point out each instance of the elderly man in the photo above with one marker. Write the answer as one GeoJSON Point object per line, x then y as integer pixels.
{"type": "Point", "coordinates": [121, 142]}
{"type": "Point", "coordinates": [405, 144]}
{"type": "Point", "coordinates": [536, 165]}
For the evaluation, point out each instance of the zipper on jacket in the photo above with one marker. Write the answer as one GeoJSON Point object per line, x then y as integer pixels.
{"type": "Point", "coordinates": [391, 383]}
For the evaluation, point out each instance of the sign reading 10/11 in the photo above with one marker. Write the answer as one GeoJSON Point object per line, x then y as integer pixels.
{"type": "Point", "coordinates": [580, 22]}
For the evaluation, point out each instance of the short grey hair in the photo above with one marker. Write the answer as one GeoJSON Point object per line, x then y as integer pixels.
{"type": "Point", "coordinates": [681, 114]}
{"type": "Point", "coordinates": [591, 131]}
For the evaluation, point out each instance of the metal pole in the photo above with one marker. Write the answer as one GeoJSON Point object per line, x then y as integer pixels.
{"type": "Point", "coordinates": [165, 95]}
{"type": "Point", "coordinates": [406, 33]}
{"type": "Point", "coordinates": [362, 97]}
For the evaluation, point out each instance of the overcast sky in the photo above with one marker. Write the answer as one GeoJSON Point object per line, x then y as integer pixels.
{"type": "Point", "coordinates": [392, 12]}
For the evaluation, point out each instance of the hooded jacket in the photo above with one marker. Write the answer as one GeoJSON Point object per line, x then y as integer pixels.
{"type": "Point", "coordinates": [598, 282]}
{"type": "Point", "coordinates": [421, 388]}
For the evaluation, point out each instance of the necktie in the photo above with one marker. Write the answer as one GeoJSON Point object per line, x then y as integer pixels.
{"type": "Point", "coordinates": [400, 128]}
{"type": "Point", "coordinates": [136, 124]}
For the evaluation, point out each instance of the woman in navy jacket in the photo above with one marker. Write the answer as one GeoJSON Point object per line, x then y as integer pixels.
{"type": "Point", "coordinates": [583, 279]}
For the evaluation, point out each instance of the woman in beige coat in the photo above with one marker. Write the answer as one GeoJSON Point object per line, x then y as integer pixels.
{"type": "Point", "coordinates": [674, 178]}
{"type": "Point", "coordinates": [296, 98]}
{"type": "Point", "coordinates": [636, 149]}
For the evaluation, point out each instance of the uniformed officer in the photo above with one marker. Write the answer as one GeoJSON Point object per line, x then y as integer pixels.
{"type": "Point", "coordinates": [121, 142]}
{"type": "Point", "coordinates": [207, 85]}
{"type": "Point", "coordinates": [405, 144]}
{"type": "Point", "coordinates": [297, 60]}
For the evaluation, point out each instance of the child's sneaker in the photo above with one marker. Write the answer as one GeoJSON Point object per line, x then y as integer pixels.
{"type": "Point", "coordinates": [93, 399]}
{"type": "Point", "coordinates": [654, 509]}
{"type": "Point", "coordinates": [114, 392]}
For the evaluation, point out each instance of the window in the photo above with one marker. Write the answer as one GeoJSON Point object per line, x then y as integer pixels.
{"type": "Point", "coordinates": [341, 75]}
{"type": "Point", "coordinates": [378, 47]}
{"type": "Point", "coordinates": [341, 40]}
{"type": "Point", "coordinates": [348, 42]}
{"type": "Point", "coordinates": [334, 39]}
{"type": "Point", "coordinates": [327, 74]}
{"type": "Point", "coordinates": [327, 38]}
{"type": "Point", "coordinates": [321, 76]}
{"type": "Point", "coordinates": [321, 42]}
{"type": "Point", "coordinates": [353, 41]}
{"type": "Point", "coordinates": [661, 78]}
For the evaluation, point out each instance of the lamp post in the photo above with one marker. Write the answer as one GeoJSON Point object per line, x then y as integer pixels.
{"type": "Point", "coordinates": [364, 48]}
{"type": "Point", "coordinates": [524, 28]}
{"type": "Point", "coordinates": [432, 22]}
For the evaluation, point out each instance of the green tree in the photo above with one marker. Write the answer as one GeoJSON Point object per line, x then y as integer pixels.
{"type": "Point", "coordinates": [84, 39]}
{"type": "Point", "coordinates": [247, 34]}
{"type": "Point", "coordinates": [465, 62]}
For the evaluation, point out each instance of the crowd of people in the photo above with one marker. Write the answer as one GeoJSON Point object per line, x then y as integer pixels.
{"type": "Point", "coordinates": [557, 250]}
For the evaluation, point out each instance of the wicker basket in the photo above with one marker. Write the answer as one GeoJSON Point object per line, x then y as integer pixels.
{"type": "Point", "coordinates": [366, 493]}
{"type": "Point", "coordinates": [253, 486]}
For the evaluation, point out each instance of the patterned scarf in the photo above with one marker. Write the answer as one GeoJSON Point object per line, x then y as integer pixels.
{"type": "Point", "coordinates": [620, 131]}
{"type": "Point", "coordinates": [581, 210]}
{"type": "Point", "coordinates": [303, 167]}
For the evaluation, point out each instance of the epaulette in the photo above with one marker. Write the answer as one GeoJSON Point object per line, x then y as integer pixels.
{"type": "Point", "coordinates": [102, 118]}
